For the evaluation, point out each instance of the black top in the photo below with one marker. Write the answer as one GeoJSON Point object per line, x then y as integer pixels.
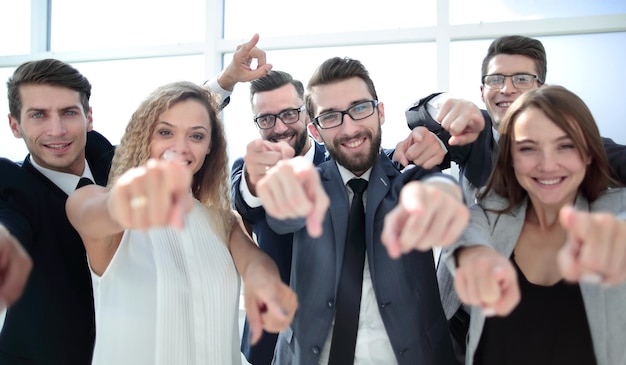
{"type": "Point", "coordinates": [549, 326]}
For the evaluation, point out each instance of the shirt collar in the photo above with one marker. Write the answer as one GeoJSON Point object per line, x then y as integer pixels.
{"type": "Point", "coordinates": [347, 175]}
{"type": "Point", "coordinates": [66, 182]}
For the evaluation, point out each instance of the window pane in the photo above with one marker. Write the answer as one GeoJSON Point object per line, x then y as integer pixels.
{"type": "Point", "coordinates": [401, 74]}
{"type": "Point", "coordinates": [323, 16]}
{"type": "Point", "coordinates": [15, 27]}
{"type": "Point", "coordinates": [586, 64]}
{"type": "Point", "coordinates": [490, 11]}
{"type": "Point", "coordinates": [10, 147]}
{"type": "Point", "coordinates": [84, 25]}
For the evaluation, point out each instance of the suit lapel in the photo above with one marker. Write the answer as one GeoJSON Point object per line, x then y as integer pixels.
{"type": "Point", "coordinates": [336, 190]}
{"type": "Point", "coordinates": [378, 187]}
{"type": "Point", "coordinates": [41, 177]}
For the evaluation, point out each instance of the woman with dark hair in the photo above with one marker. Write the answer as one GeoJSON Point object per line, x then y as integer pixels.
{"type": "Point", "coordinates": [165, 248]}
{"type": "Point", "coordinates": [555, 225]}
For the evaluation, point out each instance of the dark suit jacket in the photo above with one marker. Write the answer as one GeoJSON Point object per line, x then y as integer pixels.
{"type": "Point", "coordinates": [277, 246]}
{"type": "Point", "coordinates": [475, 160]}
{"type": "Point", "coordinates": [406, 289]}
{"type": "Point", "coordinates": [53, 321]}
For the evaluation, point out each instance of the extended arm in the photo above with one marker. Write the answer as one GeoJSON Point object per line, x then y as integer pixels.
{"type": "Point", "coordinates": [270, 304]}
{"type": "Point", "coordinates": [156, 194]}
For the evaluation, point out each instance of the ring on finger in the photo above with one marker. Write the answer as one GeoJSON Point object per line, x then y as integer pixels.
{"type": "Point", "coordinates": [138, 201]}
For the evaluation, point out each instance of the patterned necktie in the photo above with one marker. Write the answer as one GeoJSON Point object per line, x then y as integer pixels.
{"type": "Point", "coordinates": [348, 300]}
{"type": "Point", "coordinates": [83, 181]}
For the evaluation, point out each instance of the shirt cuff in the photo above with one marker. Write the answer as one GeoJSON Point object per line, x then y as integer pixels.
{"type": "Point", "coordinates": [251, 200]}
{"type": "Point", "coordinates": [215, 88]}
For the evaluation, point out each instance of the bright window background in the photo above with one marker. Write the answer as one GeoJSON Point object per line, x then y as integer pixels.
{"type": "Point", "coordinates": [490, 11]}
{"type": "Point", "coordinates": [79, 25]}
{"type": "Point", "coordinates": [279, 18]}
{"type": "Point", "coordinates": [14, 27]}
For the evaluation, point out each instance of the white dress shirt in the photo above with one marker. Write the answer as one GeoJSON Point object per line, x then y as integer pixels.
{"type": "Point", "coordinates": [66, 182]}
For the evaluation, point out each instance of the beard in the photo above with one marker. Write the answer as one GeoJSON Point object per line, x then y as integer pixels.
{"type": "Point", "coordinates": [298, 143]}
{"type": "Point", "coordinates": [356, 163]}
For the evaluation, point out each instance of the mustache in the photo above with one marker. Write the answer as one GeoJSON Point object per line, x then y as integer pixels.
{"type": "Point", "coordinates": [362, 134]}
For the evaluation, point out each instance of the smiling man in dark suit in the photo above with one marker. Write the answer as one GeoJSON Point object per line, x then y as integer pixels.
{"type": "Point", "coordinates": [53, 321]}
{"type": "Point", "coordinates": [279, 114]}
{"type": "Point", "coordinates": [338, 253]}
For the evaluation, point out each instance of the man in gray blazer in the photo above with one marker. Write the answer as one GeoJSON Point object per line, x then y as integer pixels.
{"type": "Point", "coordinates": [400, 319]}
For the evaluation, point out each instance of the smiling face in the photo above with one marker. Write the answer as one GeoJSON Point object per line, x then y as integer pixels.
{"type": "Point", "coordinates": [276, 101]}
{"type": "Point", "coordinates": [354, 144]}
{"type": "Point", "coordinates": [54, 127]}
{"type": "Point", "coordinates": [184, 129]}
{"type": "Point", "coordinates": [497, 101]}
{"type": "Point", "coordinates": [546, 162]}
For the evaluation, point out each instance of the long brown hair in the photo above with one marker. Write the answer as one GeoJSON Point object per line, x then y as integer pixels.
{"type": "Point", "coordinates": [569, 113]}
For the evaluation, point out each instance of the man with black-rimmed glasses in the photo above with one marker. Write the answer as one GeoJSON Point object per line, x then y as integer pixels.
{"type": "Point", "coordinates": [279, 114]}
{"type": "Point", "coordinates": [513, 65]}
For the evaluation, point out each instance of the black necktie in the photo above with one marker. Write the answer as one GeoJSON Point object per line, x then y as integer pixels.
{"type": "Point", "coordinates": [348, 300]}
{"type": "Point", "coordinates": [83, 181]}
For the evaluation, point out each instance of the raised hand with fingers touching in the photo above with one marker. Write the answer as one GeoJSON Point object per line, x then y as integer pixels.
{"type": "Point", "coordinates": [240, 69]}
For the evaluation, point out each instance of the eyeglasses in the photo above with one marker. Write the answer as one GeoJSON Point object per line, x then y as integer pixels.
{"type": "Point", "coordinates": [287, 116]}
{"type": "Point", "coordinates": [520, 81]}
{"type": "Point", "coordinates": [356, 112]}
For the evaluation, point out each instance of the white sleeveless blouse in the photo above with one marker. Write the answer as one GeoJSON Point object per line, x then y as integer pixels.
{"type": "Point", "coordinates": [169, 297]}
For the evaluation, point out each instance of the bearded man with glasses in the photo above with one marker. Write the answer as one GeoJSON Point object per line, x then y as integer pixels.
{"type": "Point", "coordinates": [280, 115]}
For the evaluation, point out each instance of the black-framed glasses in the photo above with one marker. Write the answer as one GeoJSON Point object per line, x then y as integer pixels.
{"type": "Point", "coordinates": [287, 116]}
{"type": "Point", "coordinates": [520, 81]}
{"type": "Point", "coordinates": [358, 111]}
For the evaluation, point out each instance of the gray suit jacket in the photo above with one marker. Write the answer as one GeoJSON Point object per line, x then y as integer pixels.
{"type": "Point", "coordinates": [406, 288]}
{"type": "Point", "coordinates": [604, 307]}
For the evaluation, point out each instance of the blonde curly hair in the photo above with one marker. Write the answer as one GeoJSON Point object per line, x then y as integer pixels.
{"type": "Point", "coordinates": [210, 183]}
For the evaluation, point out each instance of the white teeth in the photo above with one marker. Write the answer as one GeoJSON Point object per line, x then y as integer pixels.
{"type": "Point", "coordinates": [504, 105]}
{"type": "Point", "coordinates": [549, 182]}
{"type": "Point", "coordinates": [354, 144]}
{"type": "Point", "coordinates": [57, 146]}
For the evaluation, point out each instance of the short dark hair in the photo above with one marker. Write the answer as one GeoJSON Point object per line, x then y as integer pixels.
{"type": "Point", "coordinates": [519, 45]}
{"type": "Point", "coordinates": [46, 72]}
{"type": "Point", "coordinates": [274, 80]}
{"type": "Point", "coordinates": [333, 70]}
{"type": "Point", "coordinates": [568, 112]}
